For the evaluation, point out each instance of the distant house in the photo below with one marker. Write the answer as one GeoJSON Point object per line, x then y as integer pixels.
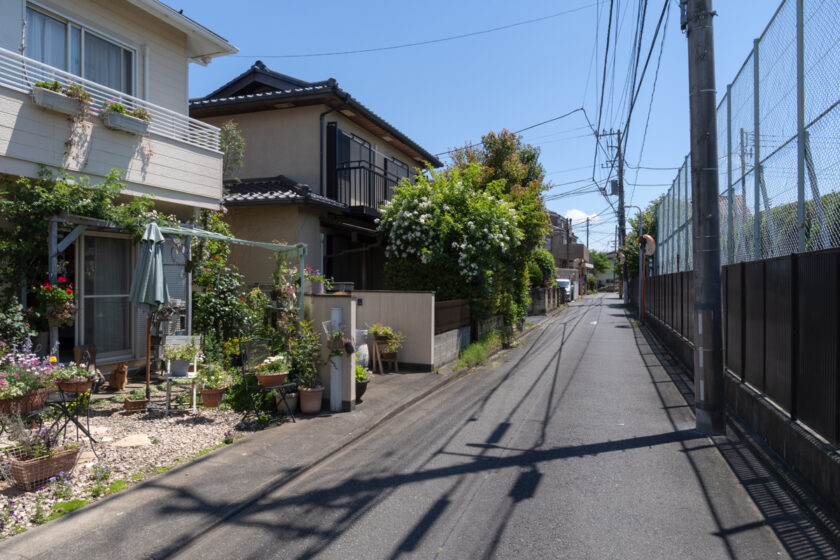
{"type": "Point", "coordinates": [318, 166]}
{"type": "Point", "coordinates": [563, 244]}
{"type": "Point", "coordinates": [136, 52]}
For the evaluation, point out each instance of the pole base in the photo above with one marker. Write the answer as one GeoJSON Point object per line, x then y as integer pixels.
{"type": "Point", "coordinates": [709, 422]}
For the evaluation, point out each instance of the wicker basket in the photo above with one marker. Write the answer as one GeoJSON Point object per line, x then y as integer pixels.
{"type": "Point", "coordinates": [130, 406]}
{"type": "Point", "coordinates": [33, 400]}
{"type": "Point", "coordinates": [75, 385]}
{"type": "Point", "coordinates": [28, 474]}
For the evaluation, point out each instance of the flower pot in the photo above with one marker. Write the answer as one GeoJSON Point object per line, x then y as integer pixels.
{"type": "Point", "coordinates": [361, 387]}
{"type": "Point", "coordinates": [124, 123]}
{"type": "Point", "coordinates": [291, 398]}
{"type": "Point", "coordinates": [74, 385]}
{"type": "Point", "coordinates": [30, 473]}
{"type": "Point", "coordinates": [61, 315]}
{"type": "Point", "coordinates": [33, 400]}
{"type": "Point", "coordinates": [317, 287]}
{"type": "Point", "coordinates": [179, 368]}
{"type": "Point", "coordinates": [311, 400]}
{"type": "Point", "coordinates": [212, 398]}
{"type": "Point", "coordinates": [130, 406]}
{"type": "Point", "coordinates": [272, 379]}
{"type": "Point", "coordinates": [335, 344]}
{"type": "Point", "coordinates": [57, 102]}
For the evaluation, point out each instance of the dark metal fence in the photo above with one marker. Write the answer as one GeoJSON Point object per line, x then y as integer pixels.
{"type": "Point", "coordinates": [451, 315]}
{"type": "Point", "coordinates": [781, 329]}
{"type": "Point", "coordinates": [363, 184]}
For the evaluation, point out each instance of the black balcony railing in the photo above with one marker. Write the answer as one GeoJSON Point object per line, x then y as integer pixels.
{"type": "Point", "coordinates": [361, 184]}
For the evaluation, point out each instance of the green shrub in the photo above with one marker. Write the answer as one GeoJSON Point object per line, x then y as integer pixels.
{"type": "Point", "coordinates": [477, 353]}
{"type": "Point", "coordinates": [543, 259]}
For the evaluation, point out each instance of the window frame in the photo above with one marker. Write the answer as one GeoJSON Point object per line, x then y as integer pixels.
{"type": "Point", "coordinates": [69, 24]}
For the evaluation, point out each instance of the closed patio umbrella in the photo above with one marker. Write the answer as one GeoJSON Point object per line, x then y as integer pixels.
{"type": "Point", "coordinates": [148, 286]}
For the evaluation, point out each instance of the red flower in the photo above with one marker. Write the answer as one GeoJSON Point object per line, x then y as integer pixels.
{"type": "Point", "coordinates": [210, 287]}
{"type": "Point", "coordinates": [47, 287]}
{"type": "Point", "coordinates": [62, 279]}
{"type": "Point", "coordinates": [69, 291]}
{"type": "Point", "coordinates": [235, 261]}
{"type": "Point", "coordinates": [242, 299]}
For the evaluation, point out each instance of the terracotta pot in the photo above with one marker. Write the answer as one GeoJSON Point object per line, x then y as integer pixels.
{"type": "Point", "coordinates": [30, 473]}
{"type": "Point", "coordinates": [74, 385]}
{"type": "Point", "coordinates": [272, 379]}
{"type": "Point", "coordinates": [33, 400]}
{"type": "Point", "coordinates": [361, 387]}
{"type": "Point", "coordinates": [291, 398]}
{"type": "Point", "coordinates": [212, 398]}
{"type": "Point", "coordinates": [311, 400]}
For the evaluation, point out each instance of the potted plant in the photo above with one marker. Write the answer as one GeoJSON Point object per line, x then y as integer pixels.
{"type": "Point", "coordinates": [362, 380]}
{"type": "Point", "coordinates": [117, 117]}
{"type": "Point", "coordinates": [214, 381]}
{"type": "Point", "coordinates": [311, 392]}
{"type": "Point", "coordinates": [37, 455]}
{"type": "Point", "coordinates": [318, 281]}
{"type": "Point", "coordinates": [181, 357]}
{"type": "Point", "coordinates": [52, 95]}
{"type": "Point", "coordinates": [272, 371]}
{"type": "Point", "coordinates": [335, 336]}
{"type": "Point", "coordinates": [72, 379]}
{"type": "Point", "coordinates": [24, 378]}
{"type": "Point", "coordinates": [57, 302]}
{"type": "Point", "coordinates": [292, 397]}
{"type": "Point", "coordinates": [393, 340]}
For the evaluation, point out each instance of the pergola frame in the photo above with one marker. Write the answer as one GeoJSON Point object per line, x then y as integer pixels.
{"type": "Point", "coordinates": [82, 224]}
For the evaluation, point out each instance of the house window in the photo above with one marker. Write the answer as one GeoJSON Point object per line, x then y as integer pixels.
{"type": "Point", "coordinates": [395, 169]}
{"type": "Point", "coordinates": [80, 51]}
{"type": "Point", "coordinates": [106, 311]}
{"type": "Point", "coordinates": [352, 151]}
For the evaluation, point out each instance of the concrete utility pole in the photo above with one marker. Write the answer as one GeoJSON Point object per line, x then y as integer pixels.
{"type": "Point", "coordinates": [587, 233]}
{"type": "Point", "coordinates": [568, 238]}
{"type": "Point", "coordinates": [620, 155]}
{"type": "Point", "coordinates": [696, 20]}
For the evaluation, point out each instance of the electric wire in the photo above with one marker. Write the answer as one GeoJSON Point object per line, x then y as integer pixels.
{"type": "Point", "coordinates": [427, 42]}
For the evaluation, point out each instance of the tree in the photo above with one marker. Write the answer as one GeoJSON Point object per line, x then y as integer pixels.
{"type": "Point", "coordinates": [232, 146]}
{"type": "Point", "coordinates": [599, 260]}
{"type": "Point", "coordinates": [631, 243]}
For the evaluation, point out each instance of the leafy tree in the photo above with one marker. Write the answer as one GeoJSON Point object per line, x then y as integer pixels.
{"type": "Point", "coordinates": [631, 240]}
{"type": "Point", "coordinates": [232, 146]}
{"type": "Point", "coordinates": [599, 260]}
{"type": "Point", "coordinates": [545, 264]}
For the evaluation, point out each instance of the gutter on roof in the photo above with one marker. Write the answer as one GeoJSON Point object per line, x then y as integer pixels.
{"type": "Point", "coordinates": [216, 45]}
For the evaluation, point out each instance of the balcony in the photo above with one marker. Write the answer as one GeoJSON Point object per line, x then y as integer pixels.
{"type": "Point", "coordinates": [363, 186]}
{"type": "Point", "coordinates": [177, 160]}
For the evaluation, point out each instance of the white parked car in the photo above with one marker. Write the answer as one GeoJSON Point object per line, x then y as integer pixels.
{"type": "Point", "coordinates": [566, 284]}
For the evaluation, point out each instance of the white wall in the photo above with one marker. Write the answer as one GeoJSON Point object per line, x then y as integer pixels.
{"type": "Point", "coordinates": [411, 313]}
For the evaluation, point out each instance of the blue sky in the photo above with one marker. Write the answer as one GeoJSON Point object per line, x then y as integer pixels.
{"type": "Point", "coordinates": [449, 93]}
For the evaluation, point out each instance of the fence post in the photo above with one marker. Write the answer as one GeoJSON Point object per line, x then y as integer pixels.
{"type": "Point", "coordinates": [687, 218]}
{"type": "Point", "coordinates": [794, 332]}
{"type": "Point", "coordinates": [730, 230]}
{"type": "Point", "coordinates": [757, 157]}
{"type": "Point", "coordinates": [800, 128]}
{"type": "Point", "coordinates": [742, 279]}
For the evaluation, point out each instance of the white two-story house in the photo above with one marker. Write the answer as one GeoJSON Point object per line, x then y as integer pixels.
{"type": "Point", "coordinates": [135, 52]}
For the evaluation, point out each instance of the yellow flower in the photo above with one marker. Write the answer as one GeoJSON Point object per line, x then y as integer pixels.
{"type": "Point", "coordinates": [53, 359]}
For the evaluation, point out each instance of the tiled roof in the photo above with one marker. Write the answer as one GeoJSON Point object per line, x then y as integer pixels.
{"type": "Point", "coordinates": [274, 190]}
{"type": "Point", "coordinates": [260, 74]}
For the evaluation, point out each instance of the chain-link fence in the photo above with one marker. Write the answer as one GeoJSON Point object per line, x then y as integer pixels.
{"type": "Point", "coordinates": [778, 144]}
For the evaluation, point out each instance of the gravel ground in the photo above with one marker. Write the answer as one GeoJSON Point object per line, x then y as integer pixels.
{"type": "Point", "coordinates": [130, 448]}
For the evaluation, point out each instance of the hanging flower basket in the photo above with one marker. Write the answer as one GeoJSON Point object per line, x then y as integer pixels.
{"type": "Point", "coordinates": [61, 314]}
{"type": "Point", "coordinates": [272, 379]}
{"type": "Point", "coordinates": [33, 400]}
{"type": "Point", "coordinates": [30, 473]}
{"type": "Point", "coordinates": [124, 123]}
{"type": "Point", "coordinates": [55, 101]}
{"type": "Point", "coordinates": [75, 385]}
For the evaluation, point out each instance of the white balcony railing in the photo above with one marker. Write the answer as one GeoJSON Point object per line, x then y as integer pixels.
{"type": "Point", "coordinates": [20, 74]}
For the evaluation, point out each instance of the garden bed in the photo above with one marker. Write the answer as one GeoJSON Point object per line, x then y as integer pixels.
{"type": "Point", "coordinates": [131, 448]}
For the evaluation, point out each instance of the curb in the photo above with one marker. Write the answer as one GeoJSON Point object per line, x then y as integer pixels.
{"type": "Point", "coordinates": [817, 511]}
{"type": "Point", "coordinates": [283, 480]}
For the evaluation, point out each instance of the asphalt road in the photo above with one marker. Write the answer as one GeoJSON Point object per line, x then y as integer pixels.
{"type": "Point", "coordinates": [570, 445]}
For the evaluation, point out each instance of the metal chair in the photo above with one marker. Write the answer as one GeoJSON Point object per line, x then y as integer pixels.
{"type": "Point", "coordinates": [252, 352]}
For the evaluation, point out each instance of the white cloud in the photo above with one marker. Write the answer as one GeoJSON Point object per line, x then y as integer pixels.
{"type": "Point", "coordinates": [579, 216]}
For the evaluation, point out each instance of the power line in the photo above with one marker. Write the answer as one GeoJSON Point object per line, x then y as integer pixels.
{"type": "Point", "coordinates": [427, 42]}
{"type": "Point", "coordinates": [604, 75]}
{"type": "Point", "coordinates": [563, 116]}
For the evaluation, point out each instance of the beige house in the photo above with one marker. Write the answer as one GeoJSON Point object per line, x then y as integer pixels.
{"type": "Point", "coordinates": [318, 165]}
{"type": "Point", "coordinates": [135, 52]}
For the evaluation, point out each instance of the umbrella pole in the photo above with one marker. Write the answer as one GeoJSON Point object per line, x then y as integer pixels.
{"type": "Point", "coordinates": [148, 356]}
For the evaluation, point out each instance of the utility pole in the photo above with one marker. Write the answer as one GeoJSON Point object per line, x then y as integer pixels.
{"type": "Point", "coordinates": [621, 239]}
{"type": "Point", "coordinates": [587, 234]}
{"type": "Point", "coordinates": [568, 238]}
{"type": "Point", "coordinates": [696, 20]}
